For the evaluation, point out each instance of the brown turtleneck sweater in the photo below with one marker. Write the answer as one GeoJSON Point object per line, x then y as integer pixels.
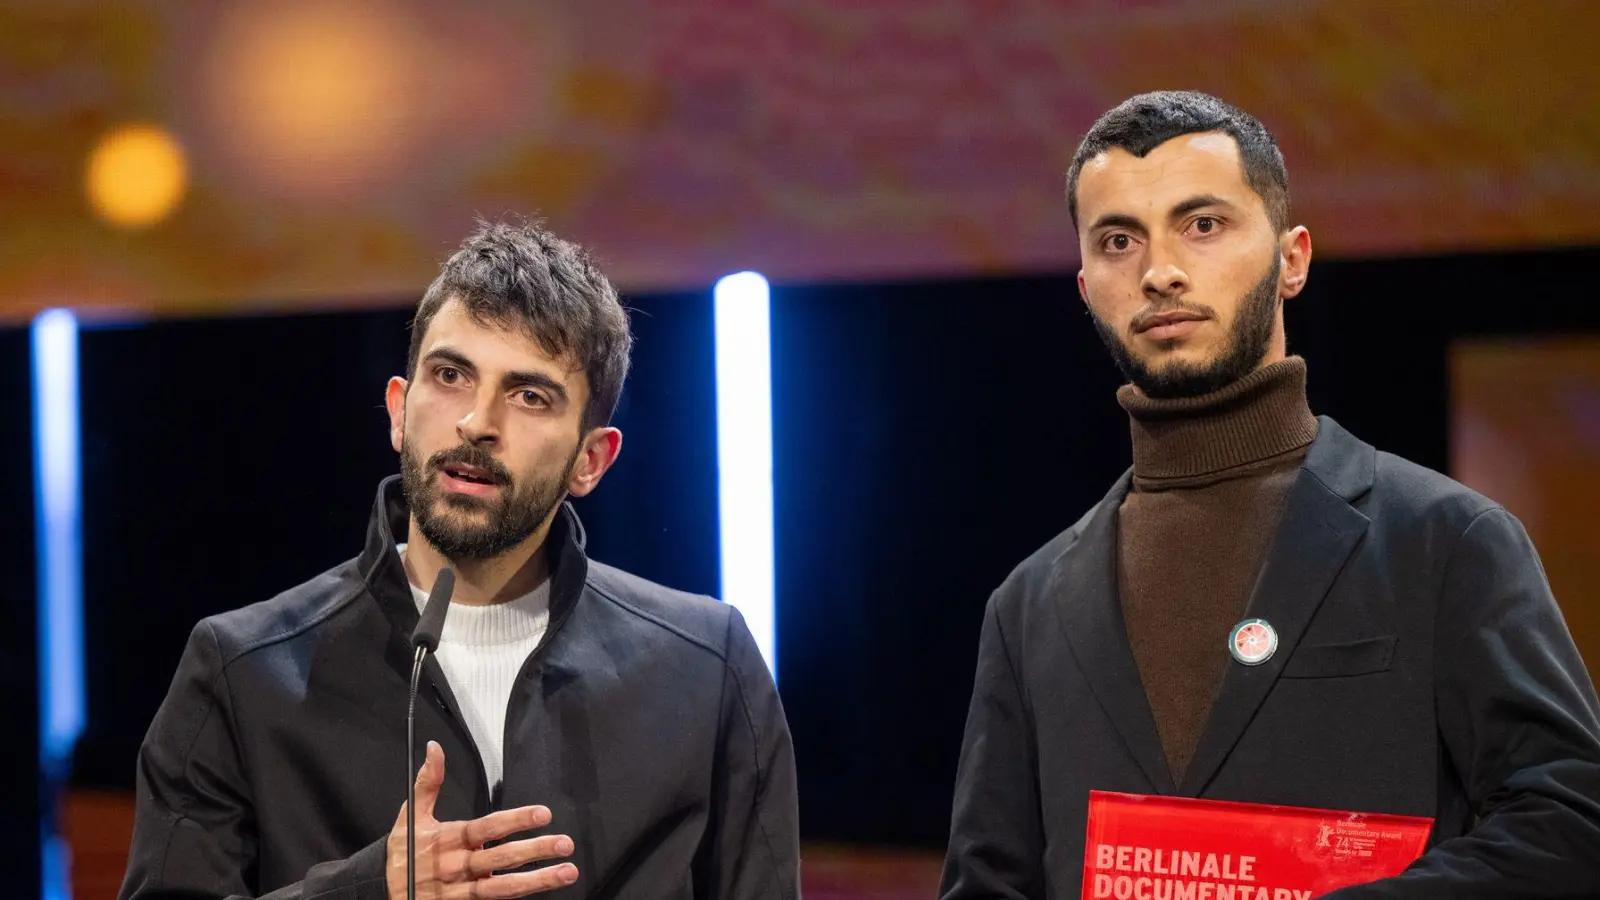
{"type": "Point", "coordinates": [1210, 476]}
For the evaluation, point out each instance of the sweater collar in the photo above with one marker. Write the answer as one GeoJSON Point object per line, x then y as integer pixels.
{"type": "Point", "coordinates": [1260, 416]}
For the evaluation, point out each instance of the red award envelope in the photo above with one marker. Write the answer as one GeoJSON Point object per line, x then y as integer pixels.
{"type": "Point", "coordinates": [1174, 848]}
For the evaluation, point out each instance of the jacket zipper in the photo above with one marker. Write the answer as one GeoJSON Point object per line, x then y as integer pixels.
{"type": "Point", "coordinates": [522, 673]}
{"type": "Point", "coordinates": [462, 733]}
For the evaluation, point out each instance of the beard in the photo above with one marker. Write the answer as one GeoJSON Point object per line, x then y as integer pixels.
{"type": "Point", "coordinates": [1248, 341]}
{"type": "Point", "coordinates": [492, 525]}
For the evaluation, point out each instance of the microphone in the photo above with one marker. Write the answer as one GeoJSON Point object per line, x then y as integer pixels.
{"type": "Point", "coordinates": [426, 634]}
{"type": "Point", "coordinates": [424, 640]}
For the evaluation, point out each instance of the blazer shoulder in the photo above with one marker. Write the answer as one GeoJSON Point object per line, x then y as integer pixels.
{"type": "Point", "coordinates": [1031, 576]}
{"type": "Point", "coordinates": [286, 616]}
{"type": "Point", "coordinates": [1405, 489]}
{"type": "Point", "coordinates": [692, 618]}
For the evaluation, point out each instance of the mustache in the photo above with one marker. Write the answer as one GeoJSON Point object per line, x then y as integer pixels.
{"type": "Point", "coordinates": [1144, 316]}
{"type": "Point", "coordinates": [471, 455]}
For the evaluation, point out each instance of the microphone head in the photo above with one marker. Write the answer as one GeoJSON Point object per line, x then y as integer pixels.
{"type": "Point", "coordinates": [431, 624]}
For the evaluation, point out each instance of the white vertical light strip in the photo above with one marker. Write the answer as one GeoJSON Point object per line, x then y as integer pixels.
{"type": "Point", "coordinates": [58, 535]}
{"type": "Point", "coordinates": [744, 455]}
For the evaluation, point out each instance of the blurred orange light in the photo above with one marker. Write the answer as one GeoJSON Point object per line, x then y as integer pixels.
{"type": "Point", "coordinates": [317, 96]}
{"type": "Point", "coordinates": [136, 176]}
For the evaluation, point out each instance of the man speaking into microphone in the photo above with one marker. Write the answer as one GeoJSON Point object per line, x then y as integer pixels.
{"type": "Point", "coordinates": [586, 731]}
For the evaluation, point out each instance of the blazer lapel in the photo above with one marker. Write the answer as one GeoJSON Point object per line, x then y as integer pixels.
{"type": "Point", "coordinates": [1086, 601]}
{"type": "Point", "coordinates": [1315, 537]}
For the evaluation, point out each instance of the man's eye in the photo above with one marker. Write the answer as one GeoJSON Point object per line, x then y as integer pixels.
{"type": "Point", "coordinates": [1205, 224]}
{"type": "Point", "coordinates": [1119, 242]}
{"type": "Point", "coordinates": [533, 398]}
{"type": "Point", "coordinates": [448, 375]}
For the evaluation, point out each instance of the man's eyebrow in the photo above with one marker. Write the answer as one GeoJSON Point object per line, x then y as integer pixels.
{"type": "Point", "coordinates": [1198, 202]}
{"type": "Point", "coordinates": [445, 354]}
{"type": "Point", "coordinates": [1117, 220]}
{"type": "Point", "coordinates": [535, 379]}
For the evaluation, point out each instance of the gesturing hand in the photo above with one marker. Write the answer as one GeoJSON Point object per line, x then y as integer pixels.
{"type": "Point", "coordinates": [452, 863]}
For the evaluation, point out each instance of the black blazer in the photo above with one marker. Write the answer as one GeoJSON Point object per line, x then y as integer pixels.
{"type": "Point", "coordinates": [1423, 668]}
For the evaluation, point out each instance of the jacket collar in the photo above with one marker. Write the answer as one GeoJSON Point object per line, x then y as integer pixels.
{"type": "Point", "coordinates": [386, 579]}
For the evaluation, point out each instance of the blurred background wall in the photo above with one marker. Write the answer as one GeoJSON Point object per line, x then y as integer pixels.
{"type": "Point", "coordinates": [199, 157]}
{"type": "Point", "coordinates": [241, 201]}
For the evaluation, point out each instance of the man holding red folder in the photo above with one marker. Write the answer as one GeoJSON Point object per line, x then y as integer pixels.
{"type": "Point", "coordinates": [1265, 608]}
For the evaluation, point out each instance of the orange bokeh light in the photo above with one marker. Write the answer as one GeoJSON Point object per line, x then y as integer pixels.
{"type": "Point", "coordinates": [136, 176]}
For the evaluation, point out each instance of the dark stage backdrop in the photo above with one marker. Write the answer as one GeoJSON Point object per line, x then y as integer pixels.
{"type": "Point", "coordinates": [928, 436]}
{"type": "Point", "coordinates": [19, 812]}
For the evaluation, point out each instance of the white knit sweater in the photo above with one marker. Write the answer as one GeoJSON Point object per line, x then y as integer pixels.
{"type": "Point", "coordinates": [481, 651]}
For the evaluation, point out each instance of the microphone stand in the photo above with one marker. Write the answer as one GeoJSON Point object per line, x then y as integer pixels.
{"type": "Point", "coordinates": [411, 766]}
{"type": "Point", "coordinates": [424, 638]}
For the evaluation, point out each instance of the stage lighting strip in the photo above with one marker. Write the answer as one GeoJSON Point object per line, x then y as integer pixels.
{"type": "Point", "coordinates": [58, 530]}
{"type": "Point", "coordinates": [744, 455]}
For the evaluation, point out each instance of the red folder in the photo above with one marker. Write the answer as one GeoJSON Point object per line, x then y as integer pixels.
{"type": "Point", "coordinates": [1174, 848]}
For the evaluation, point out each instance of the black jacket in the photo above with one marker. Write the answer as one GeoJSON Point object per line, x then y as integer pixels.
{"type": "Point", "coordinates": [1423, 668]}
{"type": "Point", "coordinates": [646, 720]}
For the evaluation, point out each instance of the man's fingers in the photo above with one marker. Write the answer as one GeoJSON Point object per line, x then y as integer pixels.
{"type": "Point", "coordinates": [521, 884]}
{"type": "Point", "coordinates": [429, 779]}
{"type": "Point", "coordinates": [483, 863]}
{"type": "Point", "coordinates": [502, 824]}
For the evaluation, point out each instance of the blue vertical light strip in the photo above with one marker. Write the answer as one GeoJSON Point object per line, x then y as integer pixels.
{"type": "Point", "coordinates": [744, 455]}
{"type": "Point", "coordinates": [58, 537]}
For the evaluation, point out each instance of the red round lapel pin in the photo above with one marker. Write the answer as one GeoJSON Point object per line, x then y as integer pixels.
{"type": "Point", "coordinates": [1253, 642]}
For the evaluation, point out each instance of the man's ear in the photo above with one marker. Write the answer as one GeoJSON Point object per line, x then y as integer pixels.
{"type": "Point", "coordinates": [600, 449]}
{"type": "Point", "coordinates": [394, 398]}
{"type": "Point", "coordinates": [1295, 249]}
